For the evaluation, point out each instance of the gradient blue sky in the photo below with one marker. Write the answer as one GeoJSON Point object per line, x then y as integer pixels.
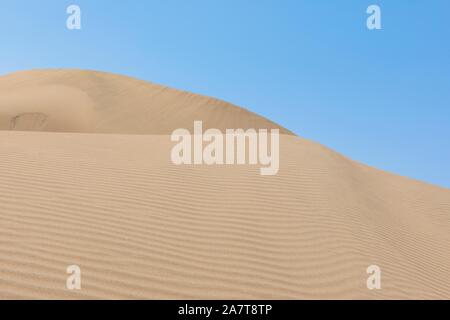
{"type": "Point", "coordinates": [379, 97]}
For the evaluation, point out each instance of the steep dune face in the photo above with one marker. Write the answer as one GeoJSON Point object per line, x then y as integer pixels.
{"type": "Point", "coordinates": [139, 226]}
{"type": "Point", "coordinates": [98, 102]}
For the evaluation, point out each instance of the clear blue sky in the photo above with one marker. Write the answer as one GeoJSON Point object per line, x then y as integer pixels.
{"type": "Point", "coordinates": [380, 97]}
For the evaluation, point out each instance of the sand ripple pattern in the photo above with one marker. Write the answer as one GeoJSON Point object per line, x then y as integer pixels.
{"type": "Point", "coordinates": [140, 227]}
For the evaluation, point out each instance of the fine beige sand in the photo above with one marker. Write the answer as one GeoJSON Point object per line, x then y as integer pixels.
{"type": "Point", "coordinates": [86, 179]}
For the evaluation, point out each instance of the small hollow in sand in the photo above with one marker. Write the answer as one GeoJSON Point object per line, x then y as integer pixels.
{"type": "Point", "coordinates": [29, 121]}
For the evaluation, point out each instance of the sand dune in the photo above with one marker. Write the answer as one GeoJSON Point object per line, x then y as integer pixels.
{"type": "Point", "coordinates": [141, 227]}
{"type": "Point", "coordinates": [98, 102]}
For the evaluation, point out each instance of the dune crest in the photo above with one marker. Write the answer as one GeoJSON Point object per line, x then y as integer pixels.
{"type": "Point", "coordinates": [112, 103]}
{"type": "Point", "coordinates": [139, 226]}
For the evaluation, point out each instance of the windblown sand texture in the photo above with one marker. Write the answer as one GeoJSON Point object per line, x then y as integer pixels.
{"type": "Point", "coordinates": [86, 179]}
